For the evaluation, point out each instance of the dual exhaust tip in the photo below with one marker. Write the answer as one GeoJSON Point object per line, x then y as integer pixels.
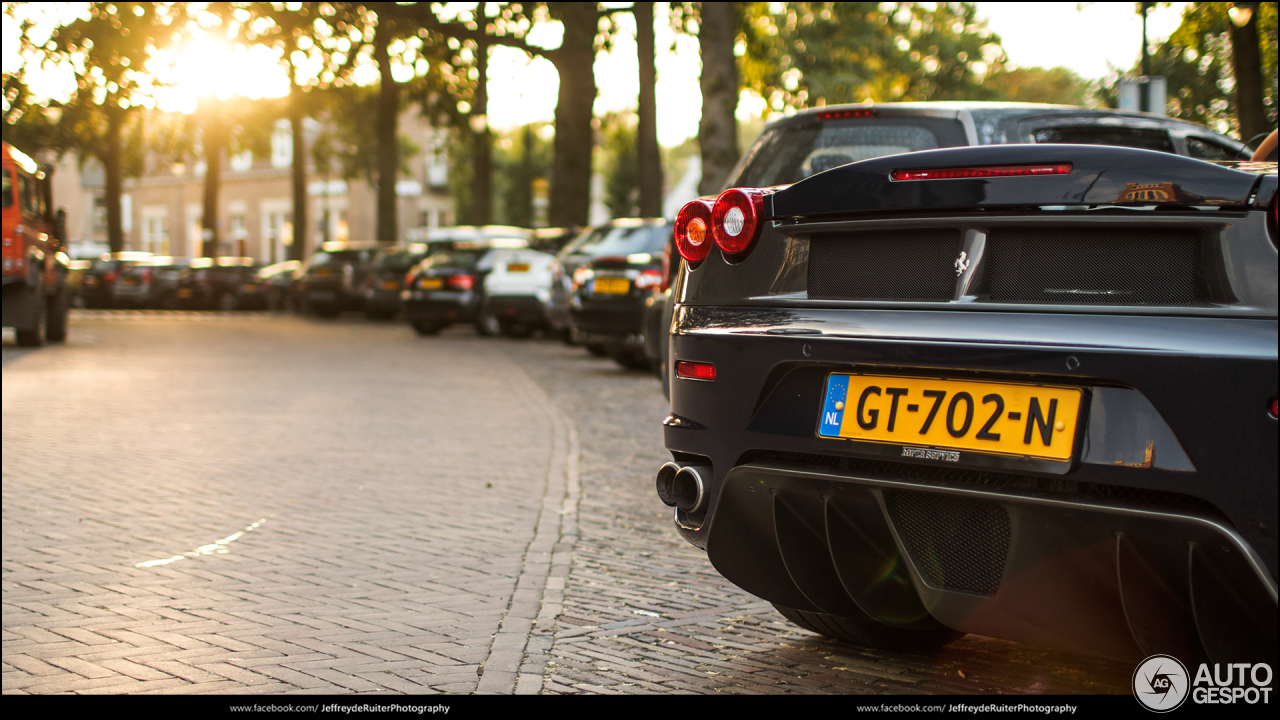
{"type": "Point", "coordinates": [684, 486]}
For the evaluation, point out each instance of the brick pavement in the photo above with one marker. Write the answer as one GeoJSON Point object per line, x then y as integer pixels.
{"type": "Point", "coordinates": [265, 504]}
{"type": "Point", "coordinates": [343, 507]}
{"type": "Point", "coordinates": [644, 612]}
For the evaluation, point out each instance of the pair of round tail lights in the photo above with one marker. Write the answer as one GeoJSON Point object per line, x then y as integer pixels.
{"type": "Point", "coordinates": [732, 221]}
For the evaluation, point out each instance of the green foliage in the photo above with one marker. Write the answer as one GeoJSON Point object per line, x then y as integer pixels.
{"type": "Point", "coordinates": [1057, 86]}
{"type": "Point", "coordinates": [620, 164]}
{"type": "Point", "coordinates": [805, 54]}
{"type": "Point", "coordinates": [513, 178]}
{"type": "Point", "coordinates": [348, 144]}
{"type": "Point", "coordinates": [1197, 66]}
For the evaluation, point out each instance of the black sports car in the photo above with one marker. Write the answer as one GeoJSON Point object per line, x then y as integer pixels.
{"type": "Point", "coordinates": [1025, 391]}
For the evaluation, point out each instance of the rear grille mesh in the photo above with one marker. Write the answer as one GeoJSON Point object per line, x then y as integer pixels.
{"type": "Point", "coordinates": [956, 543]}
{"type": "Point", "coordinates": [1107, 266]}
{"type": "Point", "coordinates": [901, 265]}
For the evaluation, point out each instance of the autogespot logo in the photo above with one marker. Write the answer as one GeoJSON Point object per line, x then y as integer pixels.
{"type": "Point", "coordinates": [1160, 683]}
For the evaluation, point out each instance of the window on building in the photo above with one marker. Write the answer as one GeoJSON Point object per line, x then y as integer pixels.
{"type": "Point", "coordinates": [281, 145]}
{"type": "Point", "coordinates": [241, 162]}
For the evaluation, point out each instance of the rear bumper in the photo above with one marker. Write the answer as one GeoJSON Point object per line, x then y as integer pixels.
{"type": "Point", "coordinates": [525, 309]}
{"type": "Point", "coordinates": [620, 317]}
{"type": "Point", "coordinates": [440, 306]}
{"type": "Point", "coordinates": [1057, 569]}
{"type": "Point", "coordinates": [1175, 451]}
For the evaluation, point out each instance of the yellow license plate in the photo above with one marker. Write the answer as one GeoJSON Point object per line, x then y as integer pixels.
{"type": "Point", "coordinates": [431, 283]}
{"type": "Point", "coordinates": [927, 414]}
{"type": "Point", "coordinates": [249, 288]}
{"type": "Point", "coordinates": [184, 293]}
{"type": "Point", "coordinates": [323, 272]}
{"type": "Point", "coordinates": [390, 285]}
{"type": "Point", "coordinates": [517, 267]}
{"type": "Point", "coordinates": [612, 286]}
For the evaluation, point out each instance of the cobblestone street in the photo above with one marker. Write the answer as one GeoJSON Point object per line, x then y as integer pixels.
{"type": "Point", "coordinates": [251, 504]}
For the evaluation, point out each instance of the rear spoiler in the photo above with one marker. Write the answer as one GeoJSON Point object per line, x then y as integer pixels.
{"type": "Point", "coordinates": [1093, 176]}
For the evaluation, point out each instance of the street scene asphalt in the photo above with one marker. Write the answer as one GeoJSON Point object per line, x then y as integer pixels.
{"type": "Point", "coordinates": [246, 503]}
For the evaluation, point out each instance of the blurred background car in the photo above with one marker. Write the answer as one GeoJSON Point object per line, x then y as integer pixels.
{"type": "Point", "coordinates": [98, 285]}
{"type": "Point", "coordinates": [277, 284]}
{"type": "Point", "coordinates": [446, 288]}
{"type": "Point", "coordinates": [625, 269]}
{"type": "Point", "coordinates": [150, 283]}
{"type": "Point", "coordinates": [75, 278]}
{"type": "Point", "coordinates": [333, 279]}
{"type": "Point", "coordinates": [226, 283]}
{"type": "Point", "coordinates": [516, 291]}
{"type": "Point", "coordinates": [385, 280]}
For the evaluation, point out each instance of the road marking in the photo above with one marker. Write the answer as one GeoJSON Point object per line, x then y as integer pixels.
{"type": "Point", "coordinates": [217, 547]}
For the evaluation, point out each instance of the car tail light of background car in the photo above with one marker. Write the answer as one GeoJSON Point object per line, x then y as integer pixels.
{"type": "Point", "coordinates": [460, 282]}
{"type": "Point", "coordinates": [581, 276]}
{"type": "Point", "coordinates": [649, 279]}
{"type": "Point", "coordinates": [980, 172]}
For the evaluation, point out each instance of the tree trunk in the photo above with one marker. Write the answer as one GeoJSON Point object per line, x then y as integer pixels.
{"type": "Point", "coordinates": [1246, 61]}
{"type": "Point", "coordinates": [298, 250]}
{"type": "Point", "coordinates": [718, 129]}
{"type": "Point", "coordinates": [650, 161]}
{"type": "Point", "coordinates": [111, 161]}
{"type": "Point", "coordinates": [522, 213]}
{"type": "Point", "coordinates": [571, 169]}
{"type": "Point", "coordinates": [214, 132]}
{"type": "Point", "coordinates": [481, 144]}
{"type": "Point", "coordinates": [385, 128]}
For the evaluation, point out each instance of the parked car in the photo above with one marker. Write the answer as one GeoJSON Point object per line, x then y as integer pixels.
{"type": "Point", "coordinates": [622, 269]}
{"type": "Point", "coordinates": [385, 281]}
{"type": "Point", "coordinates": [150, 283]}
{"type": "Point", "coordinates": [277, 284]}
{"type": "Point", "coordinates": [98, 284]}
{"type": "Point", "coordinates": [446, 288]}
{"type": "Point", "coordinates": [657, 317]}
{"type": "Point", "coordinates": [619, 238]}
{"type": "Point", "coordinates": [225, 283]}
{"type": "Point", "coordinates": [516, 291]}
{"type": "Point", "coordinates": [333, 280]}
{"type": "Point", "coordinates": [1025, 391]}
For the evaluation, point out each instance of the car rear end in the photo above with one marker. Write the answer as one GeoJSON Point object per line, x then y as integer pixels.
{"type": "Point", "coordinates": [1027, 392]}
{"type": "Point", "coordinates": [607, 306]}
{"type": "Point", "coordinates": [445, 288]}
{"type": "Point", "coordinates": [385, 280]}
{"type": "Point", "coordinates": [516, 290]}
{"type": "Point", "coordinates": [332, 281]}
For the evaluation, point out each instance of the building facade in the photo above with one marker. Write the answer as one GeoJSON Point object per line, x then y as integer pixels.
{"type": "Point", "coordinates": [163, 209]}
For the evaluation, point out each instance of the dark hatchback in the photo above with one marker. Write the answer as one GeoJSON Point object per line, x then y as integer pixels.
{"type": "Point", "coordinates": [1023, 391]}
{"type": "Point", "coordinates": [385, 280]}
{"type": "Point", "coordinates": [333, 280]}
{"type": "Point", "coordinates": [98, 284]}
{"type": "Point", "coordinates": [151, 283]}
{"type": "Point", "coordinates": [447, 287]}
{"type": "Point", "coordinates": [613, 273]}
{"type": "Point", "coordinates": [226, 283]}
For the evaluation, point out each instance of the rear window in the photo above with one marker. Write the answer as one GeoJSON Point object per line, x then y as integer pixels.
{"type": "Point", "coordinates": [625, 240]}
{"type": "Point", "coordinates": [1209, 150]}
{"type": "Point", "coordinates": [1141, 138]}
{"type": "Point", "coordinates": [398, 261]}
{"type": "Point", "coordinates": [460, 259]}
{"type": "Point", "coordinates": [790, 153]}
{"type": "Point", "coordinates": [326, 257]}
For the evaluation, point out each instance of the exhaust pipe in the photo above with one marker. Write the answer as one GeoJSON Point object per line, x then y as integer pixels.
{"type": "Point", "coordinates": [666, 481]}
{"type": "Point", "coordinates": [684, 486]}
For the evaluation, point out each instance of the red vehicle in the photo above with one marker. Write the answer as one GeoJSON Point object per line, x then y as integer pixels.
{"type": "Point", "coordinates": [36, 297]}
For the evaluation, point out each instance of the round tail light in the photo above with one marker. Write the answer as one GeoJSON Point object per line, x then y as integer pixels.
{"type": "Point", "coordinates": [693, 230]}
{"type": "Point", "coordinates": [735, 219]}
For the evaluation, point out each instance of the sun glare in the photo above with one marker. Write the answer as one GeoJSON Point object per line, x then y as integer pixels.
{"type": "Point", "coordinates": [211, 67]}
